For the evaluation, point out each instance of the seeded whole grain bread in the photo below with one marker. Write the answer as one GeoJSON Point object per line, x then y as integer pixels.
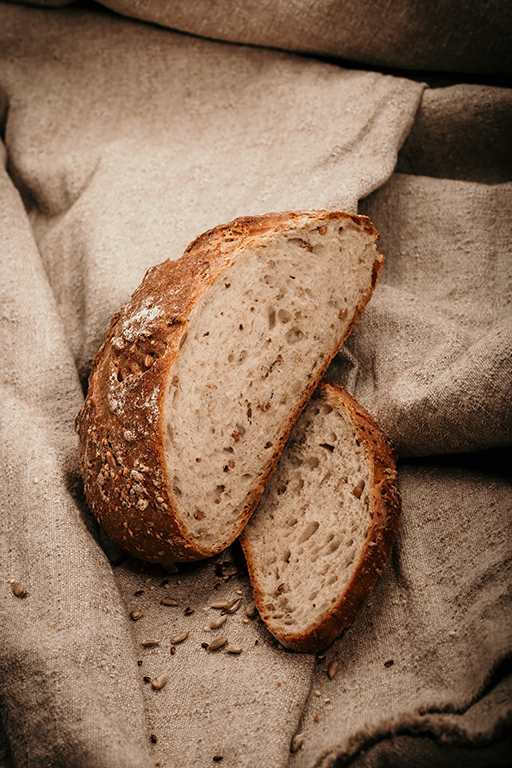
{"type": "Point", "coordinates": [203, 373]}
{"type": "Point", "coordinates": [326, 523]}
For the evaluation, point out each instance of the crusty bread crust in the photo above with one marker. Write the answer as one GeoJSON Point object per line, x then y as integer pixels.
{"type": "Point", "coordinates": [385, 506]}
{"type": "Point", "coordinates": [121, 428]}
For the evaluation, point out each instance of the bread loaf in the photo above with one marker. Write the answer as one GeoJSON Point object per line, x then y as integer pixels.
{"type": "Point", "coordinates": [203, 373]}
{"type": "Point", "coordinates": [325, 524]}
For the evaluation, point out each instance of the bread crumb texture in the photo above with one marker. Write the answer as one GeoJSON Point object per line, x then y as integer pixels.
{"type": "Point", "coordinates": [203, 373]}
{"type": "Point", "coordinates": [315, 526]}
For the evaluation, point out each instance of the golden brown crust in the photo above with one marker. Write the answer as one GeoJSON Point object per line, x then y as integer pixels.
{"type": "Point", "coordinates": [120, 426]}
{"type": "Point", "coordinates": [385, 504]}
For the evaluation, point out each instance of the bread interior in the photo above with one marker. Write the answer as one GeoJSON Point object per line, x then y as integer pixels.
{"type": "Point", "coordinates": [308, 532]}
{"type": "Point", "coordinates": [260, 334]}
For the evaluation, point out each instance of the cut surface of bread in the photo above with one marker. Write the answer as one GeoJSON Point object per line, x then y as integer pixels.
{"type": "Point", "coordinates": [201, 376]}
{"type": "Point", "coordinates": [325, 524]}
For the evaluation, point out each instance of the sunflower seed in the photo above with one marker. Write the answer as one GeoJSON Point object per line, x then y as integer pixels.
{"type": "Point", "coordinates": [159, 682]}
{"type": "Point", "coordinates": [233, 649]}
{"type": "Point", "coordinates": [218, 622]}
{"type": "Point", "coordinates": [220, 604]}
{"type": "Point", "coordinates": [297, 742]}
{"type": "Point", "coordinates": [219, 642]}
{"type": "Point", "coordinates": [146, 679]}
{"type": "Point", "coordinates": [188, 611]}
{"type": "Point", "coordinates": [19, 589]}
{"type": "Point", "coordinates": [250, 610]}
{"type": "Point", "coordinates": [150, 643]}
{"type": "Point", "coordinates": [169, 601]}
{"type": "Point", "coordinates": [332, 669]}
{"type": "Point", "coordinates": [179, 638]}
{"type": "Point", "coordinates": [136, 615]}
{"type": "Point", "coordinates": [233, 606]}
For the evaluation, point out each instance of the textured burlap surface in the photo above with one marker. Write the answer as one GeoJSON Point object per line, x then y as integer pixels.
{"type": "Point", "coordinates": [123, 142]}
{"type": "Point", "coordinates": [442, 36]}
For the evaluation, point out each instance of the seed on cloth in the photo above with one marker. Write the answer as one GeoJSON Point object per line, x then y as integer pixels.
{"type": "Point", "coordinates": [150, 643]}
{"type": "Point", "coordinates": [168, 601]}
{"type": "Point", "coordinates": [173, 650]}
{"type": "Point", "coordinates": [180, 637]}
{"type": "Point", "coordinates": [188, 611]}
{"type": "Point", "coordinates": [153, 738]}
{"type": "Point", "coordinates": [219, 642]}
{"type": "Point", "coordinates": [146, 679]}
{"type": "Point", "coordinates": [297, 742]}
{"type": "Point", "coordinates": [233, 649]}
{"type": "Point", "coordinates": [159, 682]}
{"type": "Point", "coordinates": [18, 588]}
{"type": "Point", "coordinates": [233, 606]}
{"type": "Point", "coordinates": [220, 604]}
{"type": "Point", "coordinates": [217, 758]}
{"type": "Point", "coordinates": [136, 615]}
{"type": "Point", "coordinates": [250, 610]}
{"type": "Point", "coordinates": [216, 623]}
{"type": "Point", "coordinates": [389, 663]}
{"type": "Point", "coordinates": [332, 669]}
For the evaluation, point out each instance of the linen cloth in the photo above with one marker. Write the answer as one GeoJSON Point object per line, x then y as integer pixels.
{"type": "Point", "coordinates": [435, 35]}
{"type": "Point", "coordinates": [124, 142]}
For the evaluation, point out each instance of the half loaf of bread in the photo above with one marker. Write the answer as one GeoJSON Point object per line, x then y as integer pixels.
{"type": "Point", "coordinates": [326, 523]}
{"type": "Point", "coordinates": [203, 373]}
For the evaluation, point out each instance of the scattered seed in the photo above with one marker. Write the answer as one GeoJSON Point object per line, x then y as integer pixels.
{"type": "Point", "coordinates": [317, 693]}
{"type": "Point", "coordinates": [233, 649]}
{"type": "Point", "coordinates": [19, 589]}
{"type": "Point", "coordinates": [179, 638]}
{"type": "Point", "coordinates": [220, 604]}
{"type": "Point", "coordinates": [297, 742]}
{"type": "Point", "coordinates": [173, 650]}
{"type": "Point", "coordinates": [250, 610]}
{"type": "Point", "coordinates": [319, 659]}
{"type": "Point", "coordinates": [217, 758]}
{"type": "Point", "coordinates": [239, 592]}
{"type": "Point", "coordinates": [452, 633]}
{"type": "Point", "coordinates": [159, 682]}
{"type": "Point", "coordinates": [327, 701]}
{"type": "Point", "coordinates": [246, 621]}
{"type": "Point", "coordinates": [139, 663]}
{"type": "Point", "coordinates": [219, 642]}
{"type": "Point", "coordinates": [188, 611]}
{"type": "Point", "coordinates": [204, 645]}
{"type": "Point", "coordinates": [316, 719]}
{"type": "Point", "coordinates": [136, 615]}
{"type": "Point", "coordinates": [169, 601]}
{"type": "Point", "coordinates": [372, 543]}
{"type": "Point", "coordinates": [150, 643]}
{"type": "Point", "coordinates": [218, 622]}
{"type": "Point", "coordinates": [332, 669]}
{"type": "Point", "coordinates": [146, 679]}
{"type": "Point", "coordinates": [389, 663]}
{"type": "Point", "coordinates": [148, 580]}
{"type": "Point", "coordinates": [153, 738]}
{"type": "Point", "coordinates": [233, 606]}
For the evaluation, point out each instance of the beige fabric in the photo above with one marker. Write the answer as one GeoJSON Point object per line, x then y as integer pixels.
{"type": "Point", "coordinates": [125, 141]}
{"type": "Point", "coordinates": [409, 34]}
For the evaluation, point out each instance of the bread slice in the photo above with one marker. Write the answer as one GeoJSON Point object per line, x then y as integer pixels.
{"type": "Point", "coordinates": [202, 375]}
{"type": "Point", "coordinates": [326, 523]}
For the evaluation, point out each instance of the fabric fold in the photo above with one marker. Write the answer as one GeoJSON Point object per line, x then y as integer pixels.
{"type": "Point", "coordinates": [69, 689]}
